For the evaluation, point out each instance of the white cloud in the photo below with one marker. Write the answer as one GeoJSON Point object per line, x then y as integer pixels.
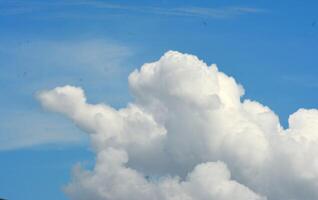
{"type": "Point", "coordinates": [112, 180]}
{"type": "Point", "coordinates": [188, 135]}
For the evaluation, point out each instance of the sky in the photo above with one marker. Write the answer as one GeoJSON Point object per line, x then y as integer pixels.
{"type": "Point", "coordinates": [270, 49]}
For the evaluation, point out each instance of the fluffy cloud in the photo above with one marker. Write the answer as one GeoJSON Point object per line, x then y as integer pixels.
{"type": "Point", "coordinates": [189, 136]}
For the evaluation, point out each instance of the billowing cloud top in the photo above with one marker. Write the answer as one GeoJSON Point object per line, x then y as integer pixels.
{"type": "Point", "coordinates": [188, 136]}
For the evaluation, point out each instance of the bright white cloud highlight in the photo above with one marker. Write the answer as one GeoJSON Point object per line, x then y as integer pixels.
{"type": "Point", "coordinates": [189, 136]}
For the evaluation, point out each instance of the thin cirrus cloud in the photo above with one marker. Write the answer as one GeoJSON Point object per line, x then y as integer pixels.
{"type": "Point", "coordinates": [224, 12]}
{"type": "Point", "coordinates": [26, 129]}
{"type": "Point", "coordinates": [87, 53]}
{"type": "Point", "coordinates": [188, 135]}
{"type": "Point", "coordinates": [33, 65]}
{"type": "Point", "coordinates": [21, 7]}
{"type": "Point", "coordinates": [48, 62]}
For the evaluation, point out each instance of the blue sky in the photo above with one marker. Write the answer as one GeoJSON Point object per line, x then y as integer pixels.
{"type": "Point", "coordinates": [270, 48]}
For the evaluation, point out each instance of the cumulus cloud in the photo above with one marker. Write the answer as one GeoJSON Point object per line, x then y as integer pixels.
{"type": "Point", "coordinates": [188, 135]}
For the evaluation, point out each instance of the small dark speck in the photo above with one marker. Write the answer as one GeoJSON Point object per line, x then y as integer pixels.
{"type": "Point", "coordinates": [80, 79]}
{"type": "Point", "coordinates": [24, 75]}
{"type": "Point", "coordinates": [313, 23]}
{"type": "Point", "coordinates": [204, 23]}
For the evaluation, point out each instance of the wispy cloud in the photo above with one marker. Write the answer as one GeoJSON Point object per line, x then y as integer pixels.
{"type": "Point", "coordinates": [221, 12]}
{"type": "Point", "coordinates": [224, 12]}
{"type": "Point", "coordinates": [21, 7]}
{"type": "Point", "coordinates": [94, 55]}
{"type": "Point", "coordinates": [27, 128]}
{"type": "Point", "coordinates": [29, 66]}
